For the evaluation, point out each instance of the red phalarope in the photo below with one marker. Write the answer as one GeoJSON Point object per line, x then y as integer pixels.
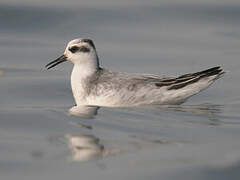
{"type": "Point", "coordinates": [96, 86]}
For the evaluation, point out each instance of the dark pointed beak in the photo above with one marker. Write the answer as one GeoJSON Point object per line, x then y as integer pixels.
{"type": "Point", "coordinates": [56, 62]}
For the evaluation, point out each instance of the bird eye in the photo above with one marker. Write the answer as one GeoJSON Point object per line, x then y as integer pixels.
{"type": "Point", "coordinates": [74, 49]}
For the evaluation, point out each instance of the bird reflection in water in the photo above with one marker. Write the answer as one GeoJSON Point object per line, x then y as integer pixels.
{"type": "Point", "coordinates": [85, 147]}
{"type": "Point", "coordinates": [89, 147]}
{"type": "Point", "coordinates": [83, 111]}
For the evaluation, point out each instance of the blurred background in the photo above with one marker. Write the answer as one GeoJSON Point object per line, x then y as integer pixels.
{"type": "Point", "coordinates": [168, 37]}
{"type": "Point", "coordinates": [186, 34]}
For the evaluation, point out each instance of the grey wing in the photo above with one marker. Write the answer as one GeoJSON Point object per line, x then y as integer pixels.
{"type": "Point", "coordinates": [187, 79]}
{"type": "Point", "coordinates": [180, 81]}
{"type": "Point", "coordinates": [113, 80]}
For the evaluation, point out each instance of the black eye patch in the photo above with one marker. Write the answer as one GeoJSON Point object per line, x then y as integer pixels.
{"type": "Point", "coordinates": [74, 49]}
{"type": "Point", "coordinates": [84, 49]}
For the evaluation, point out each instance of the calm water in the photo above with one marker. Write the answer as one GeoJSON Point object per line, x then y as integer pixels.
{"type": "Point", "coordinates": [39, 140]}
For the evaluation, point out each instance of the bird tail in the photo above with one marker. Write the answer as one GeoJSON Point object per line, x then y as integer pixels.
{"type": "Point", "coordinates": [211, 75]}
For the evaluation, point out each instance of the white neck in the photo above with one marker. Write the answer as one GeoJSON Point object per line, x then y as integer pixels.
{"type": "Point", "coordinates": [82, 69]}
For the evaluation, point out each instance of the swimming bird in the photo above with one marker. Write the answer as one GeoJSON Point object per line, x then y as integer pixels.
{"type": "Point", "coordinates": [96, 86]}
